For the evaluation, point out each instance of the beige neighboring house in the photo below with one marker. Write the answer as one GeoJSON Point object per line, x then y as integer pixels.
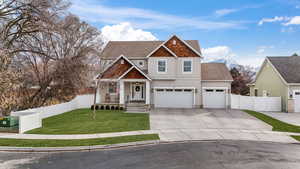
{"type": "Point", "coordinates": [161, 74]}
{"type": "Point", "coordinates": [279, 76]}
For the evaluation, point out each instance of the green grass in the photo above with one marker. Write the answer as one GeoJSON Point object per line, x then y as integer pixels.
{"type": "Point", "coordinates": [296, 137]}
{"type": "Point", "coordinates": [79, 142]}
{"type": "Point", "coordinates": [80, 121]}
{"type": "Point", "coordinates": [277, 124]}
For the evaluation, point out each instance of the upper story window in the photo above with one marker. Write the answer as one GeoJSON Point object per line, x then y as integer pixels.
{"type": "Point", "coordinates": [161, 66]}
{"type": "Point", "coordinates": [187, 66]}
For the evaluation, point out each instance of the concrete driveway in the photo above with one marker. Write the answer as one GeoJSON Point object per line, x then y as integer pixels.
{"type": "Point", "coordinates": [204, 119]}
{"type": "Point", "coordinates": [212, 124]}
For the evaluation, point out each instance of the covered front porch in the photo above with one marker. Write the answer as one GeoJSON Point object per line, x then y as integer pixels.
{"type": "Point", "coordinates": [123, 83]}
{"type": "Point", "coordinates": [124, 92]}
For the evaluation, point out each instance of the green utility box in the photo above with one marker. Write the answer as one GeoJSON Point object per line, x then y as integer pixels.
{"type": "Point", "coordinates": [8, 121]}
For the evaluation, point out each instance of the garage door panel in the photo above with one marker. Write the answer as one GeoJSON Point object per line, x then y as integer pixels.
{"type": "Point", "coordinates": [214, 98]}
{"type": "Point", "coordinates": [297, 102]}
{"type": "Point", "coordinates": [170, 98]}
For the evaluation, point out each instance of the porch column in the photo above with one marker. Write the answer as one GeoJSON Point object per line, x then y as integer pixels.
{"type": "Point", "coordinates": [121, 92]}
{"type": "Point", "coordinates": [98, 95]}
{"type": "Point", "coordinates": [147, 92]}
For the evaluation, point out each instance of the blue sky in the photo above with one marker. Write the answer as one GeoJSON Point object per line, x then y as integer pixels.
{"type": "Point", "coordinates": [243, 30]}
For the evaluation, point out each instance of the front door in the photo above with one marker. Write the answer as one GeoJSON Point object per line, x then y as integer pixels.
{"type": "Point", "coordinates": [137, 92]}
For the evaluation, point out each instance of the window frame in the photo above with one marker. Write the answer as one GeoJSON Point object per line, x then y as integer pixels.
{"type": "Point", "coordinates": [191, 61]}
{"type": "Point", "coordinates": [294, 93]}
{"type": "Point", "coordinates": [166, 66]}
{"type": "Point", "coordinates": [112, 93]}
{"type": "Point", "coordinates": [265, 93]}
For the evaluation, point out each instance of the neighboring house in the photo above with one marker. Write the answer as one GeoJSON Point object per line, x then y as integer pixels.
{"type": "Point", "coordinates": [162, 74]}
{"type": "Point", "coordinates": [279, 76]}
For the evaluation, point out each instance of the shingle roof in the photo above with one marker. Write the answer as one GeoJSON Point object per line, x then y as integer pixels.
{"type": "Point", "coordinates": [135, 49]}
{"type": "Point", "coordinates": [215, 71]}
{"type": "Point", "coordinates": [288, 67]}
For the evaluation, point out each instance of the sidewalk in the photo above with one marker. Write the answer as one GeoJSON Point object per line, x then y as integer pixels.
{"type": "Point", "coordinates": [226, 134]}
{"type": "Point", "coordinates": [178, 135]}
{"type": "Point", "coordinates": [74, 136]}
{"type": "Point", "coordinates": [291, 118]}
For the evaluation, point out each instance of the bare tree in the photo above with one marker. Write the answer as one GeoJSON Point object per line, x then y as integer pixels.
{"type": "Point", "coordinates": [59, 64]}
{"type": "Point", "coordinates": [9, 82]}
{"type": "Point", "coordinates": [19, 18]}
{"type": "Point", "coordinates": [242, 76]}
{"type": "Point", "coordinates": [52, 49]}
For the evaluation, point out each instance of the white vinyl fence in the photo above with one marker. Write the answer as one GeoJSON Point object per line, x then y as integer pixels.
{"type": "Point", "coordinates": [256, 103]}
{"type": "Point", "coordinates": [32, 118]}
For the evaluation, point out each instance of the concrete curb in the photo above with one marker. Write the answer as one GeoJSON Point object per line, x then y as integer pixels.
{"type": "Point", "coordinates": [112, 146]}
{"type": "Point", "coordinates": [78, 148]}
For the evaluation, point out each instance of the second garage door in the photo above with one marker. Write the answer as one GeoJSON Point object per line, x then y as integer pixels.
{"type": "Point", "coordinates": [214, 98]}
{"type": "Point", "coordinates": [173, 98]}
{"type": "Point", "coordinates": [297, 101]}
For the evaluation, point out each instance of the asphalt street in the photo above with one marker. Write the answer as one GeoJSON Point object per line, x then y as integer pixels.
{"type": "Point", "coordinates": [197, 155]}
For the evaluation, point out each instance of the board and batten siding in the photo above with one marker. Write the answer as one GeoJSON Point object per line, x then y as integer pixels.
{"type": "Point", "coordinates": [269, 80]}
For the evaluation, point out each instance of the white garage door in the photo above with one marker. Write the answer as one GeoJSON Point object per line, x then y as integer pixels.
{"type": "Point", "coordinates": [214, 98]}
{"type": "Point", "coordinates": [297, 101]}
{"type": "Point", "coordinates": [173, 98]}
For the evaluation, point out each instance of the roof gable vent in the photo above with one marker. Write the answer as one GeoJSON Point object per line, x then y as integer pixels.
{"type": "Point", "coordinates": [174, 42]}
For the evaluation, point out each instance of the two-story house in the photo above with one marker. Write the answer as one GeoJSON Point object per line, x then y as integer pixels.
{"type": "Point", "coordinates": [162, 74]}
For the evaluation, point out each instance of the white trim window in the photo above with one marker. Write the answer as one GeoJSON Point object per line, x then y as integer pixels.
{"type": "Point", "coordinates": [187, 66]}
{"type": "Point", "coordinates": [162, 66]}
{"type": "Point", "coordinates": [296, 93]}
{"type": "Point", "coordinates": [265, 93]}
{"type": "Point", "coordinates": [112, 88]}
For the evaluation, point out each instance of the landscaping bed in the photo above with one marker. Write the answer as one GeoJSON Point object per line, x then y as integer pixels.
{"type": "Point", "coordinates": [276, 124]}
{"type": "Point", "coordinates": [76, 142]}
{"type": "Point", "coordinates": [81, 121]}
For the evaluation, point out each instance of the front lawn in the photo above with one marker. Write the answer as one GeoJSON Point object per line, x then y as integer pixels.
{"type": "Point", "coordinates": [81, 122]}
{"type": "Point", "coordinates": [76, 142]}
{"type": "Point", "coordinates": [277, 124]}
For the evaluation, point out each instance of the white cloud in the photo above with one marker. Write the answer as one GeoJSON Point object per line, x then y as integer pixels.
{"type": "Point", "coordinates": [223, 12]}
{"type": "Point", "coordinates": [217, 52]}
{"type": "Point", "coordinates": [262, 49]}
{"type": "Point", "coordinates": [253, 61]}
{"type": "Point", "coordinates": [125, 32]}
{"type": "Point", "coordinates": [275, 19]}
{"type": "Point", "coordinates": [226, 53]}
{"type": "Point", "coordinates": [96, 12]}
{"type": "Point", "coordinates": [293, 21]}
{"type": "Point", "coordinates": [286, 21]}
{"type": "Point", "coordinates": [226, 11]}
